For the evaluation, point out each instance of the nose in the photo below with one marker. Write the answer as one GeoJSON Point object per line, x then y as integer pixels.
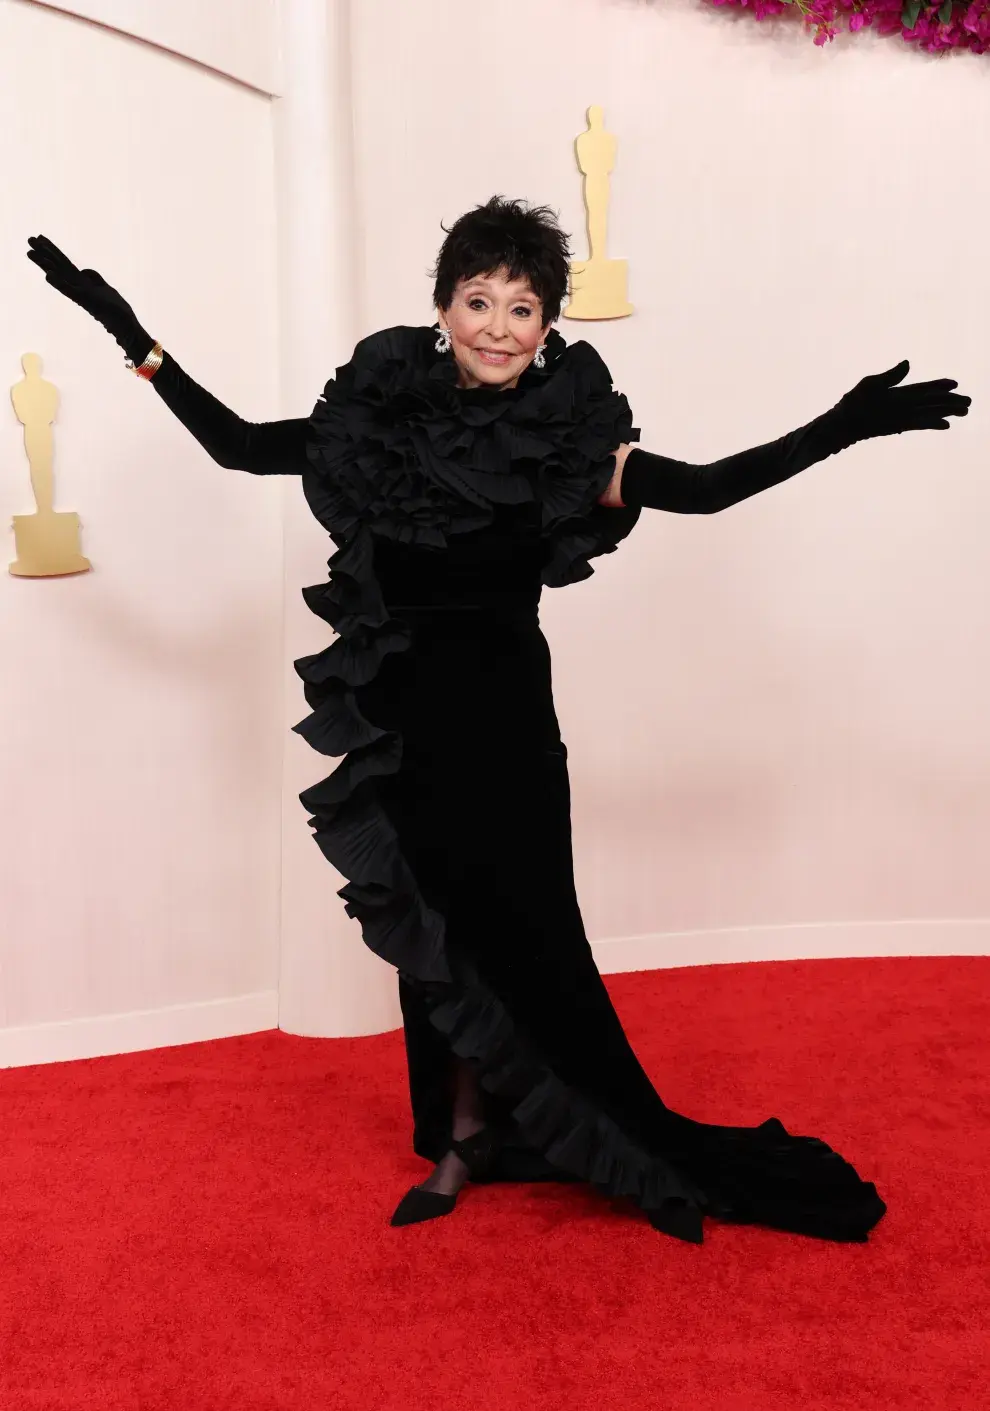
{"type": "Point", "coordinates": [498, 324]}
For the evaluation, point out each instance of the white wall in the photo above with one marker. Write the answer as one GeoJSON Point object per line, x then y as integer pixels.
{"type": "Point", "coordinates": [238, 38]}
{"type": "Point", "coordinates": [329, 981]}
{"type": "Point", "coordinates": [141, 711]}
{"type": "Point", "coordinates": [776, 716]}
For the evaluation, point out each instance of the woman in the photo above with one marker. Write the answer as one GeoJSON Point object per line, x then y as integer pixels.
{"type": "Point", "coordinates": [458, 470]}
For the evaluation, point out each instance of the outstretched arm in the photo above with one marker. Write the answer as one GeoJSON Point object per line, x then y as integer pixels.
{"type": "Point", "coordinates": [877, 406]}
{"type": "Point", "coordinates": [262, 448]}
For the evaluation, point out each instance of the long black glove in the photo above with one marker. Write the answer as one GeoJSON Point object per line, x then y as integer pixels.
{"type": "Point", "coordinates": [91, 292]}
{"type": "Point", "coordinates": [877, 406]}
{"type": "Point", "coordinates": [263, 448]}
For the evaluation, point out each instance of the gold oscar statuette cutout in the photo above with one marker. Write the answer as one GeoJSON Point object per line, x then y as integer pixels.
{"type": "Point", "coordinates": [47, 541]}
{"type": "Point", "coordinates": [598, 284]}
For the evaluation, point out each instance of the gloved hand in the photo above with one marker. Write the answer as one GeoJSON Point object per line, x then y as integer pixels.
{"type": "Point", "coordinates": [877, 406]}
{"type": "Point", "coordinates": [91, 292]}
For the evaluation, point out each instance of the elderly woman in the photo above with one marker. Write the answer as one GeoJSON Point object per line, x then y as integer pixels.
{"type": "Point", "coordinates": [458, 470]}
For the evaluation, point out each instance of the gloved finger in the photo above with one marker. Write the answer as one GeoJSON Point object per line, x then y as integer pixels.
{"type": "Point", "coordinates": [939, 384]}
{"type": "Point", "coordinates": [929, 400]}
{"type": "Point", "coordinates": [949, 404]}
{"type": "Point", "coordinates": [58, 281]}
{"type": "Point", "coordinates": [67, 276]}
{"type": "Point", "coordinates": [42, 242]}
{"type": "Point", "coordinates": [927, 423]}
{"type": "Point", "coordinates": [94, 277]}
{"type": "Point", "coordinates": [926, 389]}
{"type": "Point", "coordinates": [42, 259]}
{"type": "Point", "coordinates": [54, 276]}
{"type": "Point", "coordinates": [49, 251]}
{"type": "Point", "coordinates": [890, 378]}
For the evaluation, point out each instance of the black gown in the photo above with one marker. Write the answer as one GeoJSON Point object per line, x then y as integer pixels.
{"type": "Point", "coordinates": [449, 814]}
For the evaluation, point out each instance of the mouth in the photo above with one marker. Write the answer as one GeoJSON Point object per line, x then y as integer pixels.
{"type": "Point", "coordinates": [492, 358]}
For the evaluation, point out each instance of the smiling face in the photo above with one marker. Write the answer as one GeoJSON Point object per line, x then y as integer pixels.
{"type": "Point", "coordinates": [496, 326]}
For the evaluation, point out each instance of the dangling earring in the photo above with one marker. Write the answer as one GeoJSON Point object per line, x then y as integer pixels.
{"type": "Point", "coordinates": [442, 344]}
{"type": "Point", "coordinates": [539, 360]}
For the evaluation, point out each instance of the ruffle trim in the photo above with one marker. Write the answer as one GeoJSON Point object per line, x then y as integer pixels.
{"type": "Point", "coordinates": [553, 1118]}
{"type": "Point", "coordinates": [400, 449]}
{"type": "Point", "coordinates": [763, 1175]}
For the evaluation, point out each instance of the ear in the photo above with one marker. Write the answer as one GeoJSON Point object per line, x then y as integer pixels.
{"type": "Point", "coordinates": [442, 318]}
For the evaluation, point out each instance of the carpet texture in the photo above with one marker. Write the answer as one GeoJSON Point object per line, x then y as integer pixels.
{"type": "Point", "coordinates": [205, 1228]}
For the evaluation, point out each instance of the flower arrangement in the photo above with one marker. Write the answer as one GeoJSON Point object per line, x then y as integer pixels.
{"type": "Point", "coordinates": [936, 26]}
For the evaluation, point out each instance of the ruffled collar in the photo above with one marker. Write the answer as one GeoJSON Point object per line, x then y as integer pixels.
{"type": "Point", "coordinates": [399, 449]}
{"type": "Point", "coordinates": [401, 366]}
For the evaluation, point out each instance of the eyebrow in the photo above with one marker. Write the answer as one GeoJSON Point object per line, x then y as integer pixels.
{"type": "Point", "coordinates": [486, 285]}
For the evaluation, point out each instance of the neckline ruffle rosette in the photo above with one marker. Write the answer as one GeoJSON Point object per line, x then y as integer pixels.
{"type": "Point", "coordinates": [398, 450]}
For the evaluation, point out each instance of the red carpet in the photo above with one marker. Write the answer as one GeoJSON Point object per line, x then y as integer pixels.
{"type": "Point", "coordinates": [206, 1227]}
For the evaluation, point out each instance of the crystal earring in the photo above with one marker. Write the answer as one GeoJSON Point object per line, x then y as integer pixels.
{"type": "Point", "coordinates": [539, 360]}
{"type": "Point", "coordinates": [442, 345]}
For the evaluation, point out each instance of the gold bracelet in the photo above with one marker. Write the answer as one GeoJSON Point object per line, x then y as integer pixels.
{"type": "Point", "coordinates": [151, 364]}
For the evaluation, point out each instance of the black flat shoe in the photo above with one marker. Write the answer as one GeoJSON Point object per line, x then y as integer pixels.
{"type": "Point", "coordinates": [478, 1154]}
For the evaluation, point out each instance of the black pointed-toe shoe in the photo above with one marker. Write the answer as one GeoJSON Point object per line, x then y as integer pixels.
{"type": "Point", "coordinates": [417, 1205]}
{"type": "Point", "coordinates": [478, 1154]}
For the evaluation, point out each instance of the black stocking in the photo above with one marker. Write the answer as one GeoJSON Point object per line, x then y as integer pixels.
{"type": "Point", "coordinates": [468, 1117]}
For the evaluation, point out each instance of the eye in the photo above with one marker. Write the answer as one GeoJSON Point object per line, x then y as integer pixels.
{"type": "Point", "coordinates": [524, 310]}
{"type": "Point", "coordinates": [476, 303]}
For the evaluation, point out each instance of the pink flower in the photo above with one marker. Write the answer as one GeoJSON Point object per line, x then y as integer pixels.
{"type": "Point", "coordinates": [968, 26]}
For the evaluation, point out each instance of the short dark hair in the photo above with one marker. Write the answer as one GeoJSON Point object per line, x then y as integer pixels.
{"type": "Point", "coordinates": [524, 240]}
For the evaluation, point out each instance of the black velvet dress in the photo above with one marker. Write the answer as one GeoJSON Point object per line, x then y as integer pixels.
{"type": "Point", "coordinates": [449, 813]}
